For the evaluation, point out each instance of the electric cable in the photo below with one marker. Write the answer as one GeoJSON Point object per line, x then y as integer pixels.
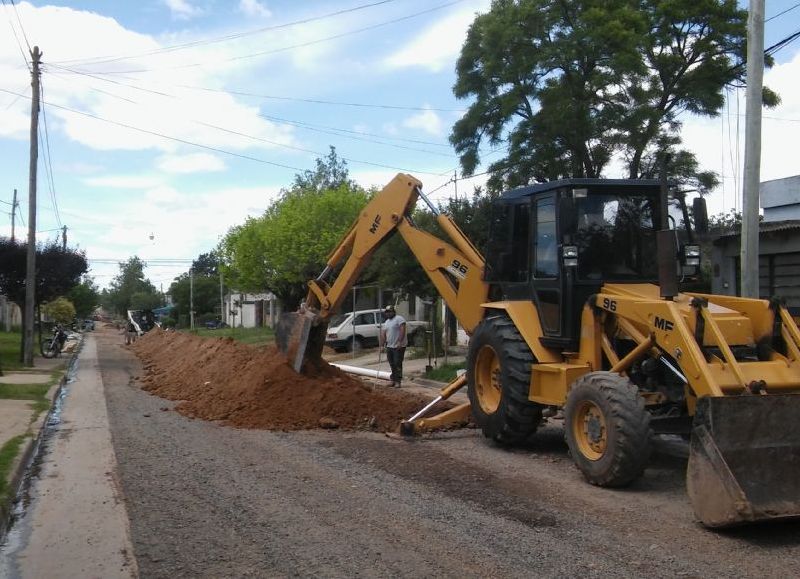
{"type": "Point", "coordinates": [234, 36]}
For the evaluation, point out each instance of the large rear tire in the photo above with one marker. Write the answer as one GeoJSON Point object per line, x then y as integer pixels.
{"type": "Point", "coordinates": [498, 381]}
{"type": "Point", "coordinates": [607, 429]}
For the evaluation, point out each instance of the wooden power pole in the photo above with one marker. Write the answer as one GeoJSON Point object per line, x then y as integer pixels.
{"type": "Point", "coordinates": [752, 149]}
{"type": "Point", "coordinates": [30, 277]}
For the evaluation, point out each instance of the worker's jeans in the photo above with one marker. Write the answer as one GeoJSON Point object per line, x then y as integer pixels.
{"type": "Point", "coordinates": [395, 358]}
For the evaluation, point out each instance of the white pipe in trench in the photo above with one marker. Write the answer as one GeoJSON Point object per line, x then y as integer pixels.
{"type": "Point", "coordinates": [364, 372]}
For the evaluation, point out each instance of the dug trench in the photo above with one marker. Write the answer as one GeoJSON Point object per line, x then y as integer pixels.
{"type": "Point", "coordinates": [207, 498]}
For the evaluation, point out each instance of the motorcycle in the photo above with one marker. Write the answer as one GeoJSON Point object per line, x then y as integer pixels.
{"type": "Point", "coordinates": [52, 346]}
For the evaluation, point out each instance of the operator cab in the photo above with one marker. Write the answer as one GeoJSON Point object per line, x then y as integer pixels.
{"type": "Point", "coordinates": [557, 243]}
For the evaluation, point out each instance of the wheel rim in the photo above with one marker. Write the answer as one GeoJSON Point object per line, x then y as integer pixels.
{"type": "Point", "coordinates": [487, 379]}
{"type": "Point", "coordinates": [589, 430]}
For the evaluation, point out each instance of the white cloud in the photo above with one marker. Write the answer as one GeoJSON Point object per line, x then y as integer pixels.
{"type": "Point", "coordinates": [191, 163]}
{"type": "Point", "coordinates": [438, 45]}
{"type": "Point", "coordinates": [151, 101]}
{"type": "Point", "coordinates": [183, 224]}
{"type": "Point", "coordinates": [182, 10]}
{"type": "Point", "coordinates": [254, 9]}
{"type": "Point", "coordinates": [427, 121]}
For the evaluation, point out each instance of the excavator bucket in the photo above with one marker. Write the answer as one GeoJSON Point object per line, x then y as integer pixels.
{"type": "Point", "coordinates": [744, 460]}
{"type": "Point", "coordinates": [301, 337]}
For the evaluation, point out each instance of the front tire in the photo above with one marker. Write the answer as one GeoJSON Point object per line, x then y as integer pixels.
{"type": "Point", "coordinates": [498, 378]}
{"type": "Point", "coordinates": [49, 349]}
{"type": "Point", "coordinates": [607, 429]}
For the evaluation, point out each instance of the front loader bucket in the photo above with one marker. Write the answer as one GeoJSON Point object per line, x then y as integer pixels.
{"type": "Point", "coordinates": [301, 337]}
{"type": "Point", "coordinates": [744, 460]}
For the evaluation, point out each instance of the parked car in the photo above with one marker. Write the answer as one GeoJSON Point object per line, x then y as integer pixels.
{"type": "Point", "coordinates": [88, 325]}
{"type": "Point", "coordinates": [367, 324]}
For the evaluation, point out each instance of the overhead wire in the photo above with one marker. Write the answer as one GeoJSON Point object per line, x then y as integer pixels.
{"type": "Point", "coordinates": [293, 46]}
{"type": "Point", "coordinates": [782, 13]}
{"type": "Point", "coordinates": [49, 159]}
{"type": "Point", "coordinates": [207, 147]}
{"type": "Point", "coordinates": [21, 27]}
{"type": "Point", "coordinates": [354, 135]}
{"type": "Point", "coordinates": [286, 146]}
{"type": "Point", "coordinates": [16, 36]}
{"type": "Point", "coordinates": [225, 38]}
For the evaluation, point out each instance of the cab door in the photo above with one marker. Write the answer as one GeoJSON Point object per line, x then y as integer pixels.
{"type": "Point", "coordinates": [546, 278]}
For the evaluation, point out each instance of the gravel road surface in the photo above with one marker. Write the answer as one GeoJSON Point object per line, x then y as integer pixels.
{"type": "Point", "coordinates": [212, 501]}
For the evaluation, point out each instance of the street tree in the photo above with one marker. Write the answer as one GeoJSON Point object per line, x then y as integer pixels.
{"type": "Point", "coordinates": [85, 297]}
{"type": "Point", "coordinates": [288, 245]}
{"type": "Point", "coordinates": [129, 281]}
{"type": "Point", "coordinates": [567, 86]}
{"type": "Point", "coordinates": [60, 310]}
{"type": "Point", "coordinates": [205, 270]}
{"type": "Point", "coordinates": [57, 272]}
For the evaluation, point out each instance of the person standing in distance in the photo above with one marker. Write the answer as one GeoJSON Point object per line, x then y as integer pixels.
{"type": "Point", "coordinates": [394, 339]}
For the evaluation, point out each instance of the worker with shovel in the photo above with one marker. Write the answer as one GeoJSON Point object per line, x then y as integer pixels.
{"type": "Point", "coordinates": [394, 340]}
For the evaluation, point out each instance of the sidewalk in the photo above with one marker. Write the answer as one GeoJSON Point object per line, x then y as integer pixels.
{"type": "Point", "coordinates": [76, 524]}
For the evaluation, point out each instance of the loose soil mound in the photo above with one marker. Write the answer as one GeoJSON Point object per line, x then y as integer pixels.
{"type": "Point", "coordinates": [252, 387]}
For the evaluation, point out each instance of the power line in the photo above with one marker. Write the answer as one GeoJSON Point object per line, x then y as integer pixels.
{"type": "Point", "coordinates": [21, 27]}
{"type": "Point", "coordinates": [50, 161]}
{"type": "Point", "coordinates": [272, 142]}
{"type": "Point", "coordinates": [98, 76]}
{"type": "Point", "coordinates": [782, 44]}
{"type": "Point", "coordinates": [16, 37]}
{"type": "Point", "coordinates": [293, 46]}
{"type": "Point", "coordinates": [160, 135]}
{"type": "Point", "coordinates": [326, 102]}
{"type": "Point", "coordinates": [206, 147]}
{"type": "Point", "coordinates": [299, 124]}
{"type": "Point", "coordinates": [234, 36]}
{"type": "Point", "coordinates": [782, 13]}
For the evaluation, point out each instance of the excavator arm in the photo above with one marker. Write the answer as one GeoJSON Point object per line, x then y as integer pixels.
{"type": "Point", "coordinates": [455, 268]}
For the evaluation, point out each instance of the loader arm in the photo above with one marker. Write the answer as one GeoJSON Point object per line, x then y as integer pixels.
{"type": "Point", "coordinates": [455, 268]}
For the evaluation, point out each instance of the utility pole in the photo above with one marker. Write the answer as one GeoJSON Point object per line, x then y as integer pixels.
{"type": "Point", "coordinates": [64, 238]}
{"type": "Point", "coordinates": [14, 216]}
{"type": "Point", "coordinates": [752, 149]}
{"type": "Point", "coordinates": [191, 299]}
{"type": "Point", "coordinates": [455, 182]}
{"type": "Point", "coordinates": [30, 277]}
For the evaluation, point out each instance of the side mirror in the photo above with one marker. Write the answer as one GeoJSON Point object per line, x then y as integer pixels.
{"type": "Point", "coordinates": [700, 213]}
{"type": "Point", "coordinates": [568, 215]}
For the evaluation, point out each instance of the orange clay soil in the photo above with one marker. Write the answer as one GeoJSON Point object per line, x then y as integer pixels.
{"type": "Point", "coordinates": [253, 387]}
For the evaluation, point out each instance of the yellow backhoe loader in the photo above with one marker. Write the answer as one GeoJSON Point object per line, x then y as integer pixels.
{"type": "Point", "coordinates": [576, 307]}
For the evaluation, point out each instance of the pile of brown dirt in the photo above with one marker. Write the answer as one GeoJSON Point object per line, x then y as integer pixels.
{"type": "Point", "coordinates": [252, 387]}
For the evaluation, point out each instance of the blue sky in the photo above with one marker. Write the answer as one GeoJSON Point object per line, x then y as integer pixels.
{"type": "Point", "coordinates": [124, 192]}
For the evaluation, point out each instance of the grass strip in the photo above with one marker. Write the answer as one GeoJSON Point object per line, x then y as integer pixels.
{"type": "Point", "coordinates": [254, 336]}
{"type": "Point", "coordinates": [444, 373]}
{"type": "Point", "coordinates": [8, 453]}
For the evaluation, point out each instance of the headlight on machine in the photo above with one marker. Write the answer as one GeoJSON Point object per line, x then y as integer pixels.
{"type": "Point", "coordinates": [691, 255]}
{"type": "Point", "coordinates": [569, 253]}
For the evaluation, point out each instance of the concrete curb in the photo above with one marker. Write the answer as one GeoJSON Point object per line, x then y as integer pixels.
{"type": "Point", "coordinates": [30, 447]}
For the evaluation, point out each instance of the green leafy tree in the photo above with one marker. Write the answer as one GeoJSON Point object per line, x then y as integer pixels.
{"type": "Point", "coordinates": [206, 272]}
{"type": "Point", "coordinates": [288, 245]}
{"type": "Point", "coordinates": [566, 85]}
{"type": "Point", "coordinates": [85, 297]}
{"type": "Point", "coordinates": [57, 272]}
{"type": "Point", "coordinates": [145, 300]}
{"type": "Point", "coordinates": [129, 281]}
{"type": "Point", "coordinates": [60, 310]}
